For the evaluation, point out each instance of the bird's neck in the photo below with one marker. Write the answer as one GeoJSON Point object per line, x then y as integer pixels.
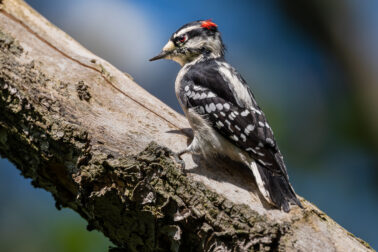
{"type": "Point", "coordinates": [205, 55]}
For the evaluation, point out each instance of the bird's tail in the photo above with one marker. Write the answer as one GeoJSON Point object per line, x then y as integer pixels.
{"type": "Point", "coordinates": [276, 189]}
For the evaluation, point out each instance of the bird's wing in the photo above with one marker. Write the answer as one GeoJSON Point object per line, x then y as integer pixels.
{"type": "Point", "coordinates": [244, 126]}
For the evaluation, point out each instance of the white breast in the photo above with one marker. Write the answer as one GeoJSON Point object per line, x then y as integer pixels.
{"type": "Point", "coordinates": [179, 77]}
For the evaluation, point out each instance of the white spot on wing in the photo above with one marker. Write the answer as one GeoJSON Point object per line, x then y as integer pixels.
{"type": "Point", "coordinates": [243, 137]}
{"type": "Point", "coordinates": [229, 125]}
{"type": "Point", "coordinates": [219, 124]}
{"type": "Point", "coordinates": [212, 107]}
{"type": "Point", "coordinates": [245, 112]}
{"type": "Point", "coordinates": [226, 106]}
{"type": "Point", "coordinates": [256, 111]}
{"type": "Point", "coordinates": [235, 138]}
{"type": "Point", "coordinates": [264, 163]}
{"type": "Point", "coordinates": [210, 95]}
{"type": "Point", "coordinates": [269, 141]}
{"type": "Point", "coordinates": [219, 106]}
{"type": "Point", "coordinates": [250, 149]}
{"type": "Point", "coordinates": [248, 129]}
{"type": "Point", "coordinates": [197, 88]}
{"type": "Point", "coordinates": [207, 108]}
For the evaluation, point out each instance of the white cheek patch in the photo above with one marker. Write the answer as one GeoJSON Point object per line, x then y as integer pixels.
{"type": "Point", "coordinates": [195, 42]}
{"type": "Point", "coordinates": [213, 45]}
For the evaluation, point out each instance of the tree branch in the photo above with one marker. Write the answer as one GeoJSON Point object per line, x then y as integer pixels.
{"type": "Point", "coordinates": [87, 133]}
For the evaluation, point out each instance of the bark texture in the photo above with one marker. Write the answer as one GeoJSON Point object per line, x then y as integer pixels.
{"type": "Point", "coordinates": [87, 133]}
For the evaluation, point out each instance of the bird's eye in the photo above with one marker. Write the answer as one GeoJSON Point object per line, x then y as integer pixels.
{"type": "Point", "coordinates": [182, 38]}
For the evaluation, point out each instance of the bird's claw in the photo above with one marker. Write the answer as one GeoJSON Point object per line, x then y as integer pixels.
{"type": "Point", "coordinates": [177, 158]}
{"type": "Point", "coordinates": [180, 161]}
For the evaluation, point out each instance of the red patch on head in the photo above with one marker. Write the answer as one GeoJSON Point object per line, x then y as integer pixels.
{"type": "Point", "coordinates": [208, 24]}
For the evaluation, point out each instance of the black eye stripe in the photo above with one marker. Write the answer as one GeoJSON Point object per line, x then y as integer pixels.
{"type": "Point", "coordinates": [178, 38]}
{"type": "Point", "coordinates": [195, 33]}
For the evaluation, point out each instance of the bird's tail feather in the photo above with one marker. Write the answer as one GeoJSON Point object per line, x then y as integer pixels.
{"type": "Point", "coordinates": [275, 188]}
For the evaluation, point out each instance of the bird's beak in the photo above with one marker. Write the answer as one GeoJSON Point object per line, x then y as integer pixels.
{"type": "Point", "coordinates": [167, 50]}
{"type": "Point", "coordinates": [161, 55]}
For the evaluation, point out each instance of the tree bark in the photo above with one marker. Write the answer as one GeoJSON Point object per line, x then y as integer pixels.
{"type": "Point", "coordinates": [84, 131]}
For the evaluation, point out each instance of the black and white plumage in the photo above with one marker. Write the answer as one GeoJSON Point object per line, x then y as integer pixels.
{"type": "Point", "coordinates": [223, 112]}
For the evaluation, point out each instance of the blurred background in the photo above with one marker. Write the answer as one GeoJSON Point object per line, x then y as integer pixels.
{"type": "Point", "coordinates": [313, 66]}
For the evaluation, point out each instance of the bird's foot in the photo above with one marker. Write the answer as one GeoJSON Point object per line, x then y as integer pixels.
{"type": "Point", "coordinates": [177, 158]}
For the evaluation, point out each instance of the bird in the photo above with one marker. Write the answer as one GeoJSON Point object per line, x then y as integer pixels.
{"type": "Point", "coordinates": [222, 111]}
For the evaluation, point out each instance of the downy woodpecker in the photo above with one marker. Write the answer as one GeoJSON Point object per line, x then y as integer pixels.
{"type": "Point", "coordinates": [223, 112]}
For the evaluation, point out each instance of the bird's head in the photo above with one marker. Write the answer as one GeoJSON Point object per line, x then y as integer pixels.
{"type": "Point", "coordinates": [195, 39]}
